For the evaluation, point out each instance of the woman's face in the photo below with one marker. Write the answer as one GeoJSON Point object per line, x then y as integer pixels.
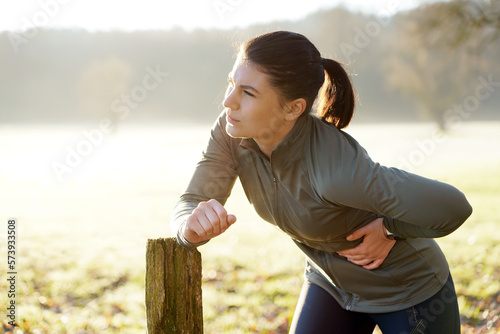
{"type": "Point", "coordinates": [253, 107]}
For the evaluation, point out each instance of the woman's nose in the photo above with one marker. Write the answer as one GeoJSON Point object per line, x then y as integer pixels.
{"type": "Point", "coordinates": [230, 100]}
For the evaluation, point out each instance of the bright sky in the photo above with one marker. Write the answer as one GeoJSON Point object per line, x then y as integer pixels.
{"type": "Point", "coordinates": [164, 14]}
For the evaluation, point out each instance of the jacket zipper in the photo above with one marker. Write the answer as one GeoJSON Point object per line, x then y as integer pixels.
{"type": "Point", "coordinates": [275, 206]}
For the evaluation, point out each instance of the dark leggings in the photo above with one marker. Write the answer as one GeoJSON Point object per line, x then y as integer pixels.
{"type": "Point", "coordinates": [318, 312]}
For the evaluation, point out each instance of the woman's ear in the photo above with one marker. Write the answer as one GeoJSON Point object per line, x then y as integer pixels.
{"type": "Point", "coordinates": [295, 109]}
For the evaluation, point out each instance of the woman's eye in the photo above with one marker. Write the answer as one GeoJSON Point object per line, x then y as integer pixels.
{"type": "Point", "coordinates": [248, 93]}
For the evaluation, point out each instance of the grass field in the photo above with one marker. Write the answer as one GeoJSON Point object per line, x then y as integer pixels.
{"type": "Point", "coordinates": [81, 242]}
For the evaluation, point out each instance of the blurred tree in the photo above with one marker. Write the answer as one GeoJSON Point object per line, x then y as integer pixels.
{"type": "Point", "coordinates": [436, 77]}
{"type": "Point", "coordinates": [458, 22]}
{"type": "Point", "coordinates": [61, 69]}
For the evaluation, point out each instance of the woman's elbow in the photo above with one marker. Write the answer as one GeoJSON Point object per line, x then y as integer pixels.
{"type": "Point", "coordinates": [461, 211]}
{"type": "Point", "coordinates": [465, 211]}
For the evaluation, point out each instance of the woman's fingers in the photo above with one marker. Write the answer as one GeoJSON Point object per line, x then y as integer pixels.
{"type": "Point", "coordinates": [373, 265]}
{"type": "Point", "coordinates": [219, 218]}
{"type": "Point", "coordinates": [212, 217]}
{"type": "Point", "coordinates": [208, 220]}
{"type": "Point", "coordinates": [373, 249]}
{"type": "Point", "coordinates": [198, 223]}
{"type": "Point", "coordinates": [231, 219]}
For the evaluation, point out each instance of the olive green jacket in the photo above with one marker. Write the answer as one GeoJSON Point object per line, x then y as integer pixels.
{"type": "Point", "coordinates": [319, 186]}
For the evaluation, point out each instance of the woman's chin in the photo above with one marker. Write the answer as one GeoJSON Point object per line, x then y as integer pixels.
{"type": "Point", "coordinates": [233, 132]}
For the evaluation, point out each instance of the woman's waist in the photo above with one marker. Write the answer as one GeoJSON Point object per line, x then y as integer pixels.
{"type": "Point", "coordinates": [412, 264]}
{"type": "Point", "coordinates": [328, 234]}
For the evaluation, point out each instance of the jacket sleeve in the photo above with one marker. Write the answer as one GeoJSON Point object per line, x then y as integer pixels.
{"type": "Point", "coordinates": [213, 178]}
{"type": "Point", "coordinates": [413, 206]}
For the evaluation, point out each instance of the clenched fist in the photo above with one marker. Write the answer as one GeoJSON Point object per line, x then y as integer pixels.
{"type": "Point", "coordinates": [207, 221]}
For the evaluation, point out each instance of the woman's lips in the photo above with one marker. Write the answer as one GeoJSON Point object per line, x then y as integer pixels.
{"type": "Point", "coordinates": [231, 120]}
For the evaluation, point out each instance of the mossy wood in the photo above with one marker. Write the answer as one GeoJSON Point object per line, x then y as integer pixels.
{"type": "Point", "coordinates": [173, 288]}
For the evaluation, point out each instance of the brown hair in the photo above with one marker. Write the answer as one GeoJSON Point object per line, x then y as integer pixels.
{"type": "Point", "coordinates": [297, 70]}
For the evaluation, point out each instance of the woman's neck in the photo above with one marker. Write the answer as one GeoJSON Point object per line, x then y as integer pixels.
{"type": "Point", "coordinates": [268, 144]}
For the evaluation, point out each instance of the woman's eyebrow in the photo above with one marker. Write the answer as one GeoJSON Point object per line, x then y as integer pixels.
{"type": "Point", "coordinates": [248, 87]}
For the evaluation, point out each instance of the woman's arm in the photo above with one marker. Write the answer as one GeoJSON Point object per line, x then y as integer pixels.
{"type": "Point", "coordinates": [213, 179]}
{"type": "Point", "coordinates": [412, 206]}
{"type": "Point", "coordinates": [415, 206]}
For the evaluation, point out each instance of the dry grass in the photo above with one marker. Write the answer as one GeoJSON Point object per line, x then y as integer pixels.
{"type": "Point", "coordinates": [81, 242]}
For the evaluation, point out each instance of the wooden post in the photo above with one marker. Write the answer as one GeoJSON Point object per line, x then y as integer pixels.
{"type": "Point", "coordinates": [173, 288]}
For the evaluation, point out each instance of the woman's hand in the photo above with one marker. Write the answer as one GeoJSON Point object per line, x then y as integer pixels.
{"type": "Point", "coordinates": [375, 246]}
{"type": "Point", "coordinates": [207, 221]}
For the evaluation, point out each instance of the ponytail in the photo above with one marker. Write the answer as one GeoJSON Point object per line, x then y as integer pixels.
{"type": "Point", "coordinates": [336, 100]}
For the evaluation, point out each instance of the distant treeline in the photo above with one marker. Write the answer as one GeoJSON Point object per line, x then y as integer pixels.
{"type": "Point", "coordinates": [176, 75]}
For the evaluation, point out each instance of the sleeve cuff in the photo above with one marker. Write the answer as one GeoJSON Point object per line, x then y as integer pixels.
{"type": "Point", "coordinates": [183, 242]}
{"type": "Point", "coordinates": [388, 225]}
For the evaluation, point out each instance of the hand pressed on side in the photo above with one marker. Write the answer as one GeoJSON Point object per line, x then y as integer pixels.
{"type": "Point", "coordinates": [207, 221]}
{"type": "Point", "coordinates": [374, 248]}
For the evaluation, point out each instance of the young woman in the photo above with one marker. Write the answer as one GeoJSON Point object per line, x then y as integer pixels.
{"type": "Point", "coordinates": [365, 229]}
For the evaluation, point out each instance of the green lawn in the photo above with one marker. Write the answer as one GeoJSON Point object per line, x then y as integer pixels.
{"type": "Point", "coordinates": [82, 247]}
{"type": "Point", "coordinates": [252, 276]}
